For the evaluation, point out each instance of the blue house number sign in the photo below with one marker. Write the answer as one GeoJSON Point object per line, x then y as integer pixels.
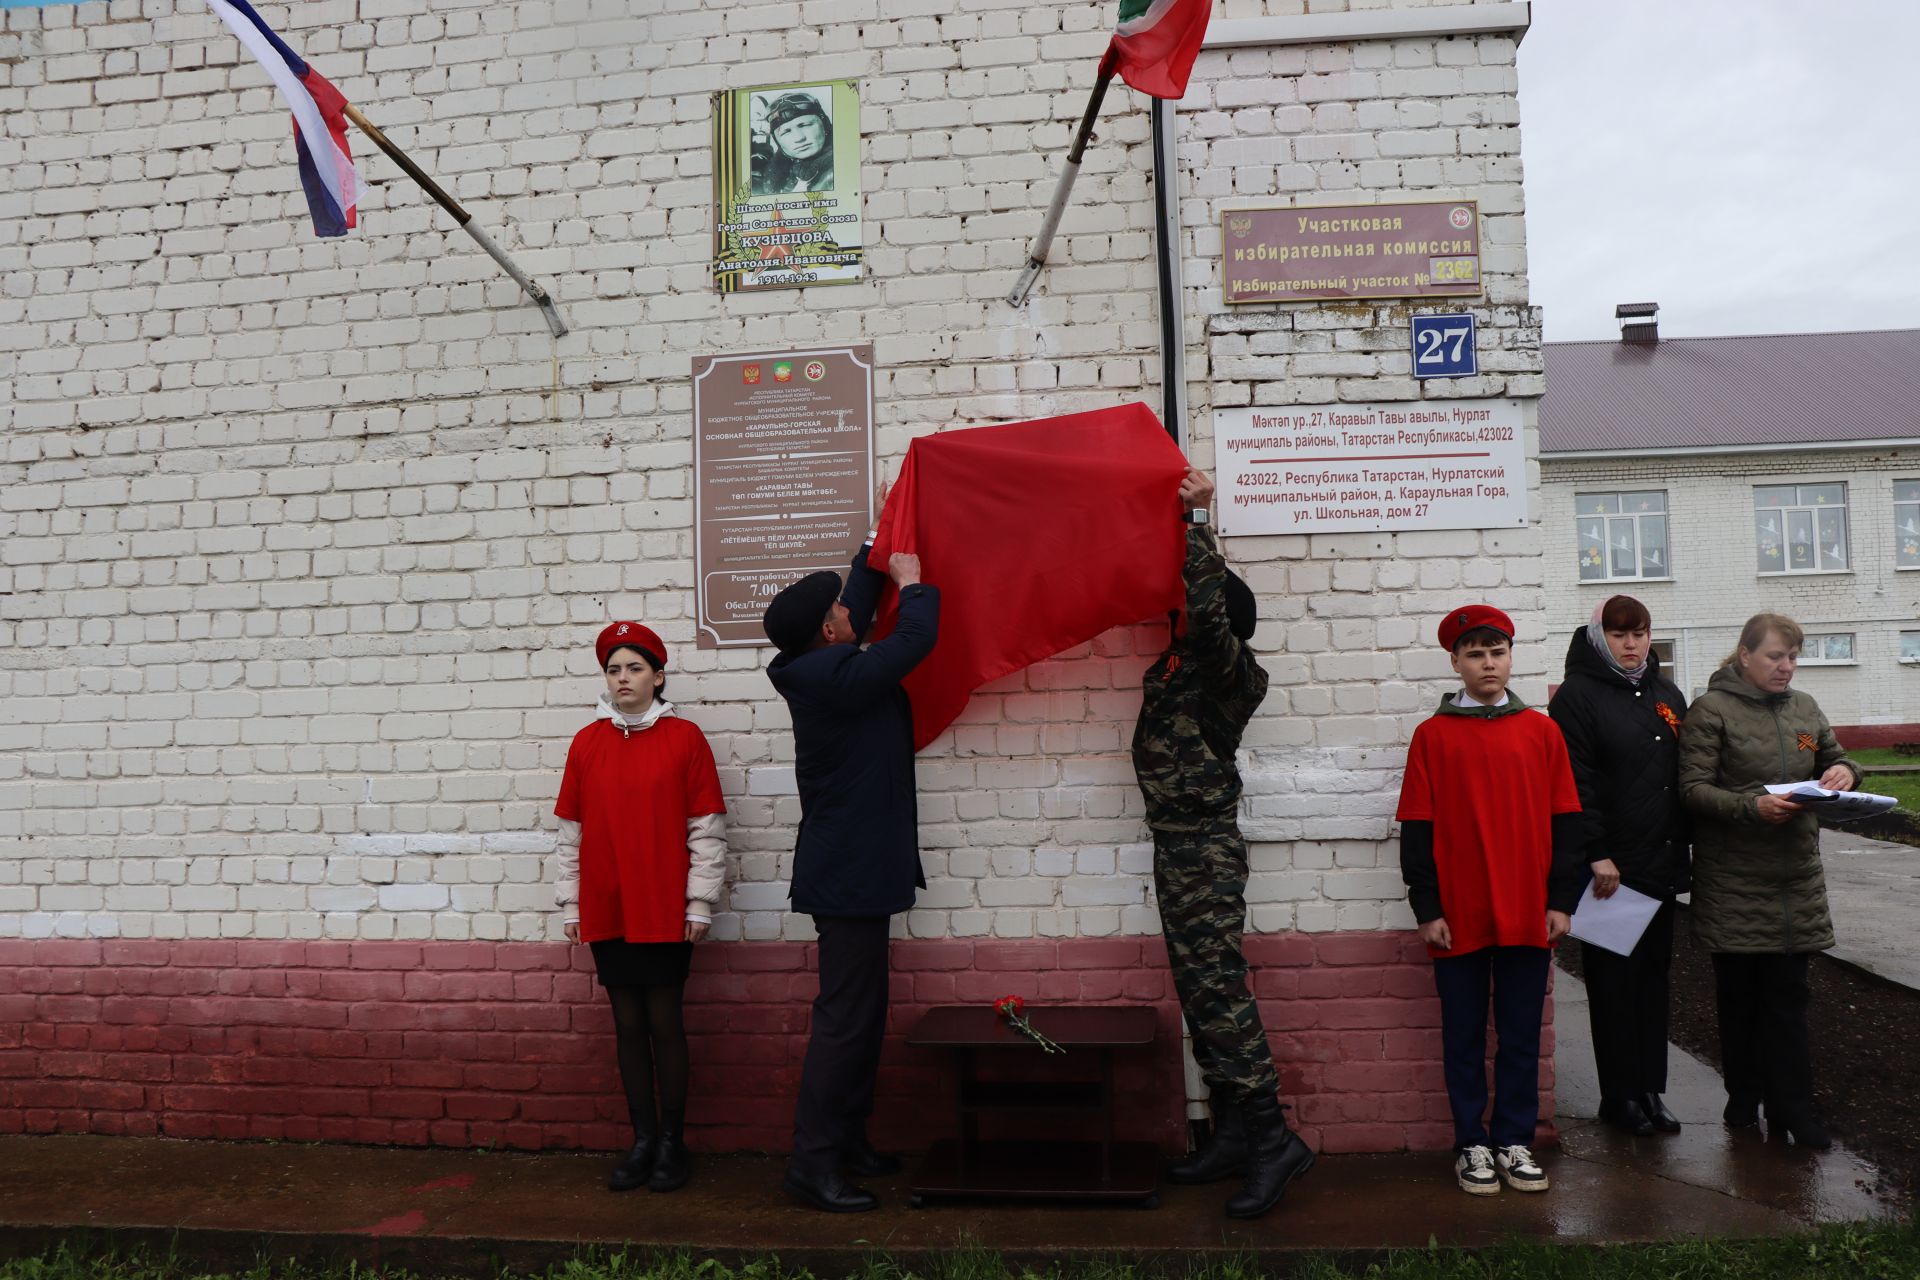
{"type": "Point", "coordinates": [1443, 346]}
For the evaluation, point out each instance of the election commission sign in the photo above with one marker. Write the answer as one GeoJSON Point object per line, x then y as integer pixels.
{"type": "Point", "coordinates": [1370, 468]}
{"type": "Point", "coordinates": [1412, 249]}
{"type": "Point", "coordinates": [782, 475]}
{"type": "Point", "coordinates": [786, 187]}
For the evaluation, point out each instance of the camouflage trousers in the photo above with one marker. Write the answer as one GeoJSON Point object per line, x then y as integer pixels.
{"type": "Point", "coordinates": [1201, 878]}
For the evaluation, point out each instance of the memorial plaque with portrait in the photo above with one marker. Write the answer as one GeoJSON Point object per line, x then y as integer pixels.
{"type": "Point", "coordinates": [783, 478]}
{"type": "Point", "coordinates": [786, 187]}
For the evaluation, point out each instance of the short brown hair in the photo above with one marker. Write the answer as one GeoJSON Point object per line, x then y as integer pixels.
{"type": "Point", "coordinates": [1624, 613]}
{"type": "Point", "coordinates": [1758, 628]}
{"type": "Point", "coordinates": [1485, 637]}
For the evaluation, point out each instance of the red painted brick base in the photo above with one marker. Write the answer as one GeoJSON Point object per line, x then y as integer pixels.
{"type": "Point", "coordinates": [509, 1044]}
{"type": "Point", "coordinates": [1861, 737]}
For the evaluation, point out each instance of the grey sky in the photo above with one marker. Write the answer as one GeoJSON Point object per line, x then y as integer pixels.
{"type": "Point", "coordinates": [1751, 165]}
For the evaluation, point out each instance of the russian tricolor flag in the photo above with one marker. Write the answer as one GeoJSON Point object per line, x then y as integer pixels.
{"type": "Point", "coordinates": [319, 118]}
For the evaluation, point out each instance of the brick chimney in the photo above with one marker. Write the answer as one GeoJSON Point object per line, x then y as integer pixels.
{"type": "Point", "coordinates": [1639, 322]}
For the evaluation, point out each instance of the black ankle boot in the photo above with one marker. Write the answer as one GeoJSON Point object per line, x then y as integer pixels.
{"type": "Point", "coordinates": [828, 1191]}
{"type": "Point", "coordinates": [1222, 1155]}
{"type": "Point", "coordinates": [862, 1160]}
{"type": "Point", "coordinates": [1656, 1108]}
{"type": "Point", "coordinates": [672, 1163]}
{"type": "Point", "coordinates": [634, 1171]}
{"type": "Point", "coordinates": [1798, 1123]}
{"type": "Point", "coordinates": [1627, 1115]}
{"type": "Point", "coordinates": [1275, 1157]}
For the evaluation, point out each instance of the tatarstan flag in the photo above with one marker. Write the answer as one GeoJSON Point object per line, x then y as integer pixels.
{"type": "Point", "coordinates": [1157, 40]}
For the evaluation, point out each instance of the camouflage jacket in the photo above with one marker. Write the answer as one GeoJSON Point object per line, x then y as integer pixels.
{"type": "Point", "coordinates": [1198, 699]}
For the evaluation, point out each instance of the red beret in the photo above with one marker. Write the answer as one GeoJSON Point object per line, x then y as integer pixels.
{"type": "Point", "coordinates": [1471, 618]}
{"type": "Point", "coordinates": [631, 635]}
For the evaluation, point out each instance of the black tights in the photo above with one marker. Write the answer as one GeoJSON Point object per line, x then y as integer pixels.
{"type": "Point", "coordinates": [652, 1040]}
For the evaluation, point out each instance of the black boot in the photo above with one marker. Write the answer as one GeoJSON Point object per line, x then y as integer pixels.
{"type": "Point", "coordinates": [862, 1160]}
{"type": "Point", "coordinates": [1275, 1157]}
{"type": "Point", "coordinates": [1797, 1122]}
{"type": "Point", "coordinates": [1741, 1112]}
{"type": "Point", "coordinates": [1627, 1115]}
{"type": "Point", "coordinates": [672, 1164]}
{"type": "Point", "coordinates": [1656, 1108]}
{"type": "Point", "coordinates": [1222, 1155]}
{"type": "Point", "coordinates": [632, 1172]}
{"type": "Point", "coordinates": [828, 1191]}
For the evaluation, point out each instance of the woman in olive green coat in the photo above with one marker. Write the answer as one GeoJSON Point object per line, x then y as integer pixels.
{"type": "Point", "coordinates": [1759, 895]}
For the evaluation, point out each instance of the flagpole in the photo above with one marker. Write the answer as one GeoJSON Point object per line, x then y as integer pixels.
{"type": "Point", "coordinates": [1037, 256]}
{"type": "Point", "coordinates": [463, 218]}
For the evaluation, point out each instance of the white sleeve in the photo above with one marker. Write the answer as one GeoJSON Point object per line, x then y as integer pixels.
{"type": "Point", "coordinates": [566, 870]}
{"type": "Point", "coordinates": [707, 863]}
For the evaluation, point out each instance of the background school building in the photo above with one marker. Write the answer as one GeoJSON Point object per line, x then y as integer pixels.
{"type": "Point", "coordinates": [1713, 478]}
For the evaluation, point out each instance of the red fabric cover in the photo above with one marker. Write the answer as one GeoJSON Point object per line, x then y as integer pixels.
{"type": "Point", "coordinates": [1490, 786]}
{"type": "Point", "coordinates": [1040, 535]}
{"type": "Point", "coordinates": [632, 794]}
{"type": "Point", "coordinates": [1159, 59]}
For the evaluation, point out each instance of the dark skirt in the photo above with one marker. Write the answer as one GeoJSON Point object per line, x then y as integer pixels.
{"type": "Point", "coordinates": [642, 964]}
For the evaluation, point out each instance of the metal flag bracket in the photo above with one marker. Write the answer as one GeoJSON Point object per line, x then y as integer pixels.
{"type": "Point", "coordinates": [465, 220]}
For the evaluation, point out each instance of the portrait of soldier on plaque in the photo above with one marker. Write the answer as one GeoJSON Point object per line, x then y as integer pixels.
{"type": "Point", "coordinates": [792, 141]}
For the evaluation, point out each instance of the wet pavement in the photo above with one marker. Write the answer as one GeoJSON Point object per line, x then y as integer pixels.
{"type": "Point", "coordinates": [1737, 1164]}
{"type": "Point", "coordinates": [1873, 890]}
{"type": "Point", "coordinates": [230, 1204]}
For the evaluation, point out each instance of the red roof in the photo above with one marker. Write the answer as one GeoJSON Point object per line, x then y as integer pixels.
{"type": "Point", "coordinates": [1776, 388]}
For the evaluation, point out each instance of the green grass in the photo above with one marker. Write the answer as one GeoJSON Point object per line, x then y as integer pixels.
{"type": "Point", "coordinates": [1904, 787]}
{"type": "Point", "coordinates": [1853, 1251]}
{"type": "Point", "coordinates": [1885, 755]}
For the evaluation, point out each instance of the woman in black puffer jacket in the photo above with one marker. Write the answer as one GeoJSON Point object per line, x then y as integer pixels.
{"type": "Point", "coordinates": [1621, 719]}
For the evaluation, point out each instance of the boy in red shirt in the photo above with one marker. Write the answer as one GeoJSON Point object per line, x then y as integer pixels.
{"type": "Point", "coordinates": [1488, 849]}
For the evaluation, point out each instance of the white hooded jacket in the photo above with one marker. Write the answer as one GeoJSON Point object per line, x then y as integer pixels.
{"type": "Point", "coordinates": [706, 836]}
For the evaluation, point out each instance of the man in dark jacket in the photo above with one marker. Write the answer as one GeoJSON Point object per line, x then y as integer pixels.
{"type": "Point", "coordinates": [857, 860]}
{"type": "Point", "coordinates": [1198, 699]}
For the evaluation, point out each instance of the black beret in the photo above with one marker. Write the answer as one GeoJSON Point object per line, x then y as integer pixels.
{"type": "Point", "coordinates": [796, 613]}
{"type": "Point", "coordinates": [1242, 613]}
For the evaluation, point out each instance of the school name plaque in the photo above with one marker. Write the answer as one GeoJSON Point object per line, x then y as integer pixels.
{"type": "Point", "coordinates": [783, 478]}
{"type": "Point", "coordinates": [1371, 468]}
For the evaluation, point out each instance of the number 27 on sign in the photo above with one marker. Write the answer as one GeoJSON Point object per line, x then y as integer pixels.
{"type": "Point", "coordinates": [1444, 346]}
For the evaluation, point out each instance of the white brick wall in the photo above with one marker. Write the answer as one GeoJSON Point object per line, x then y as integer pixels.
{"type": "Point", "coordinates": [1716, 584]}
{"type": "Point", "coordinates": [305, 541]}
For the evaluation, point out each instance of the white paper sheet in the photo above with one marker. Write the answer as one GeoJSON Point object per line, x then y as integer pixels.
{"type": "Point", "coordinates": [1614, 922]}
{"type": "Point", "coordinates": [1833, 806]}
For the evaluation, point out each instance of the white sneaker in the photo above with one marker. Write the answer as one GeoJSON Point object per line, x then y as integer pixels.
{"type": "Point", "coordinates": [1474, 1168]}
{"type": "Point", "coordinates": [1519, 1170]}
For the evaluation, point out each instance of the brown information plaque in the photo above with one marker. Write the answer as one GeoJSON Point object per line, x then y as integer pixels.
{"type": "Point", "coordinates": [782, 475]}
{"type": "Point", "coordinates": [1414, 249]}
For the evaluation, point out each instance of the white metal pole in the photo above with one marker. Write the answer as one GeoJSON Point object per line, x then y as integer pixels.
{"type": "Point", "coordinates": [1037, 256]}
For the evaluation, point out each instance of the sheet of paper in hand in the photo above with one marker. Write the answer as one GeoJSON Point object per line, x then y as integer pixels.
{"type": "Point", "coordinates": [1616, 921]}
{"type": "Point", "coordinates": [1833, 806]}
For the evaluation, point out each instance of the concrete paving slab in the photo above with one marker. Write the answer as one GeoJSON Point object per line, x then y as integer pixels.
{"type": "Point", "coordinates": [402, 1206]}
{"type": "Point", "coordinates": [1873, 890]}
{"type": "Point", "coordinates": [1739, 1164]}
{"type": "Point", "coordinates": [471, 1212]}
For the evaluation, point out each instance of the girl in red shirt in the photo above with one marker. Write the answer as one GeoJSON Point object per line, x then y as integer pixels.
{"type": "Point", "coordinates": [642, 853]}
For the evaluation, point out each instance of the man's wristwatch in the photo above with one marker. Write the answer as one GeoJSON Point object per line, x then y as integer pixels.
{"type": "Point", "coordinates": [1198, 516]}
